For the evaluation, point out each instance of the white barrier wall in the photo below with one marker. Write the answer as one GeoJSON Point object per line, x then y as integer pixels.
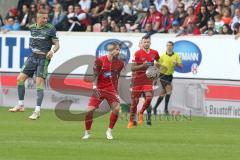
{"type": "Point", "coordinates": [214, 58]}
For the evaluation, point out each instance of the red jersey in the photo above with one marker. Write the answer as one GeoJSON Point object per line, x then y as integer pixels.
{"type": "Point", "coordinates": [108, 73]}
{"type": "Point", "coordinates": [139, 77]}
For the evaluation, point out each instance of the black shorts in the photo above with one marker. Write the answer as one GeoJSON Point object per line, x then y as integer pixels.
{"type": "Point", "coordinates": [165, 80]}
{"type": "Point", "coordinates": [37, 64]}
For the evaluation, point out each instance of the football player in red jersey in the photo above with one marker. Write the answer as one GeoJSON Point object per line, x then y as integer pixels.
{"type": "Point", "coordinates": [107, 71]}
{"type": "Point", "coordinates": [143, 58]}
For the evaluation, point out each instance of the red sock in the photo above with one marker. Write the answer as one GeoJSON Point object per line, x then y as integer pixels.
{"type": "Point", "coordinates": [113, 119]}
{"type": "Point", "coordinates": [88, 120]}
{"type": "Point", "coordinates": [146, 104]}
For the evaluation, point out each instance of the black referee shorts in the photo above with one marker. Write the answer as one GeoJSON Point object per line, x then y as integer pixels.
{"type": "Point", "coordinates": [165, 80]}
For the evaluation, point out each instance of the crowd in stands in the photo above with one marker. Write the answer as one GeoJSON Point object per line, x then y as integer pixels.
{"type": "Point", "coordinates": [181, 17]}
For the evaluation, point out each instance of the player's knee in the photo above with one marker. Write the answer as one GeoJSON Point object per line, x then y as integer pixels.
{"type": "Point", "coordinates": [20, 80]}
{"type": "Point", "coordinates": [134, 102]}
{"type": "Point", "coordinates": [148, 99]}
{"type": "Point", "coordinates": [116, 109]}
{"type": "Point", "coordinates": [169, 90]}
{"type": "Point", "coordinates": [39, 86]}
{"type": "Point", "coordinates": [162, 93]}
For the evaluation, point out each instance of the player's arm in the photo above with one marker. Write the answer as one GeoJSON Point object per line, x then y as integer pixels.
{"type": "Point", "coordinates": [96, 70]}
{"type": "Point", "coordinates": [135, 66]}
{"type": "Point", "coordinates": [178, 62]}
{"type": "Point", "coordinates": [55, 43]}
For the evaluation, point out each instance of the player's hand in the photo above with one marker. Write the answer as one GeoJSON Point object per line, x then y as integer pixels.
{"type": "Point", "coordinates": [96, 91]}
{"type": "Point", "coordinates": [50, 54]}
{"type": "Point", "coordinates": [157, 65]}
{"type": "Point", "coordinates": [147, 64]}
{"type": "Point", "coordinates": [175, 63]}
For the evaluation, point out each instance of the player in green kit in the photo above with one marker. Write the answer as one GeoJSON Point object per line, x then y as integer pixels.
{"type": "Point", "coordinates": [43, 44]}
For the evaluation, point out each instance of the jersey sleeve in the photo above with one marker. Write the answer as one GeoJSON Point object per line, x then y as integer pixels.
{"type": "Point", "coordinates": [136, 58]}
{"type": "Point", "coordinates": [97, 65]}
{"type": "Point", "coordinates": [53, 34]}
{"type": "Point", "coordinates": [157, 56]}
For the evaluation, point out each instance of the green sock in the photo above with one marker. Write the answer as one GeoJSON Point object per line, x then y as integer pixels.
{"type": "Point", "coordinates": [21, 90]}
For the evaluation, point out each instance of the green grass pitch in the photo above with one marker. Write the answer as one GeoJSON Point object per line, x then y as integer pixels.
{"type": "Point", "coordinates": [49, 138]}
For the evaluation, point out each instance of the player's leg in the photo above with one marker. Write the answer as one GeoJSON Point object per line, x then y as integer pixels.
{"type": "Point", "coordinates": [28, 70]}
{"type": "Point", "coordinates": [164, 81]}
{"type": "Point", "coordinates": [115, 106]}
{"type": "Point", "coordinates": [159, 100]}
{"type": "Point", "coordinates": [167, 97]}
{"type": "Point", "coordinates": [148, 118]}
{"type": "Point", "coordinates": [93, 104]}
{"type": "Point", "coordinates": [41, 75]}
{"type": "Point", "coordinates": [135, 95]}
{"type": "Point", "coordinates": [40, 94]}
{"type": "Point", "coordinates": [88, 121]}
{"type": "Point", "coordinates": [168, 89]}
{"type": "Point", "coordinates": [21, 93]}
{"type": "Point", "coordinates": [148, 99]}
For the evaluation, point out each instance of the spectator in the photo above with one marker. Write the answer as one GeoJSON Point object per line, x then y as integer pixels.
{"type": "Point", "coordinates": [127, 12]}
{"type": "Point", "coordinates": [226, 29]}
{"type": "Point", "coordinates": [211, 10]}
{"type": "Point", "coordinates": [236, 18]}
{"type": "Point", "coordinates": [79, 21]}
{"type": "Point", "coordinates": [11, 25]}
{"type": "Point", "coordinates": [23, 2]}
{"type": "Point", "coordinates": [180, 13]}
{"type": "Point", "coordinates": [202, 18]}
{"type": "Point", "coordinates": [148, 29]}
{"type": "Point", "coordinates": [226, 18]}
{"type": "Point", "coordinates": [190, 19]}
{"type": "Point", "coordinates": [12, 13]}
{"type": "Point", "coordinates": [210, 27]}
{"type": "Point", "coordinates": [59, 18]}
{"type": "Point", "coordinates": [23, 18]}
{"type": "Point", "coordinates": [171, 4]}
{"type": "Point", "coordinates": [175, 28]}
{"type": "Point", "coordinates": [97, 11]}
{"type": "Point", "coordinates": [166, 20]}
{"type": "Point", "coordinates": [32, 14]}
{"type": "Point", "coordinates": [105, 26]}
{"type": "Point", "coordinates": [236, 4]}
{"type": "Point", "coordinates": [85, 5]}
{"type": "Point", "coordinates": [228, 3]}
{"type": "Point", "coordinates": [153, 17]}
{"type": "Point", "coordinates": [114, 27]}
{"type": "Point", "coordinates": [236, 28]}
{"type": "Point", "coordinates": [219, 6]}
{"type": "Point", "coordinates": [112, 9]}
{"type": "Point", "coordinates": [70, 11]}
{"type": "Point", "coordinates": [218, 24]}
{"type": "Point", "coordinates": [238, 31]}
{"type": "Point", "coordinates": [123, 28]}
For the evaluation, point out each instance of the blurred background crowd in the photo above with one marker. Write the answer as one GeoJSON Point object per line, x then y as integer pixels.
{"type": "Point", "coordinates": [180, 17]}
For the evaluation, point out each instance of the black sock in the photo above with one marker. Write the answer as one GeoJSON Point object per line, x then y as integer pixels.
{"type": "Point", "coordinates": [159, 100]}
{"type": "Point", "coordinates": [167, 97]}
{"type": "Point", "coordinates": [149, 110]}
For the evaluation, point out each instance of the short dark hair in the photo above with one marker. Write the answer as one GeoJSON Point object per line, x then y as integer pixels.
{"type": "Point", "coordinates": [112, 45]}
{"type": "Point", "coordinates": [171, 42]}
{"type": "Point", "coordinates": [147, 36]}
